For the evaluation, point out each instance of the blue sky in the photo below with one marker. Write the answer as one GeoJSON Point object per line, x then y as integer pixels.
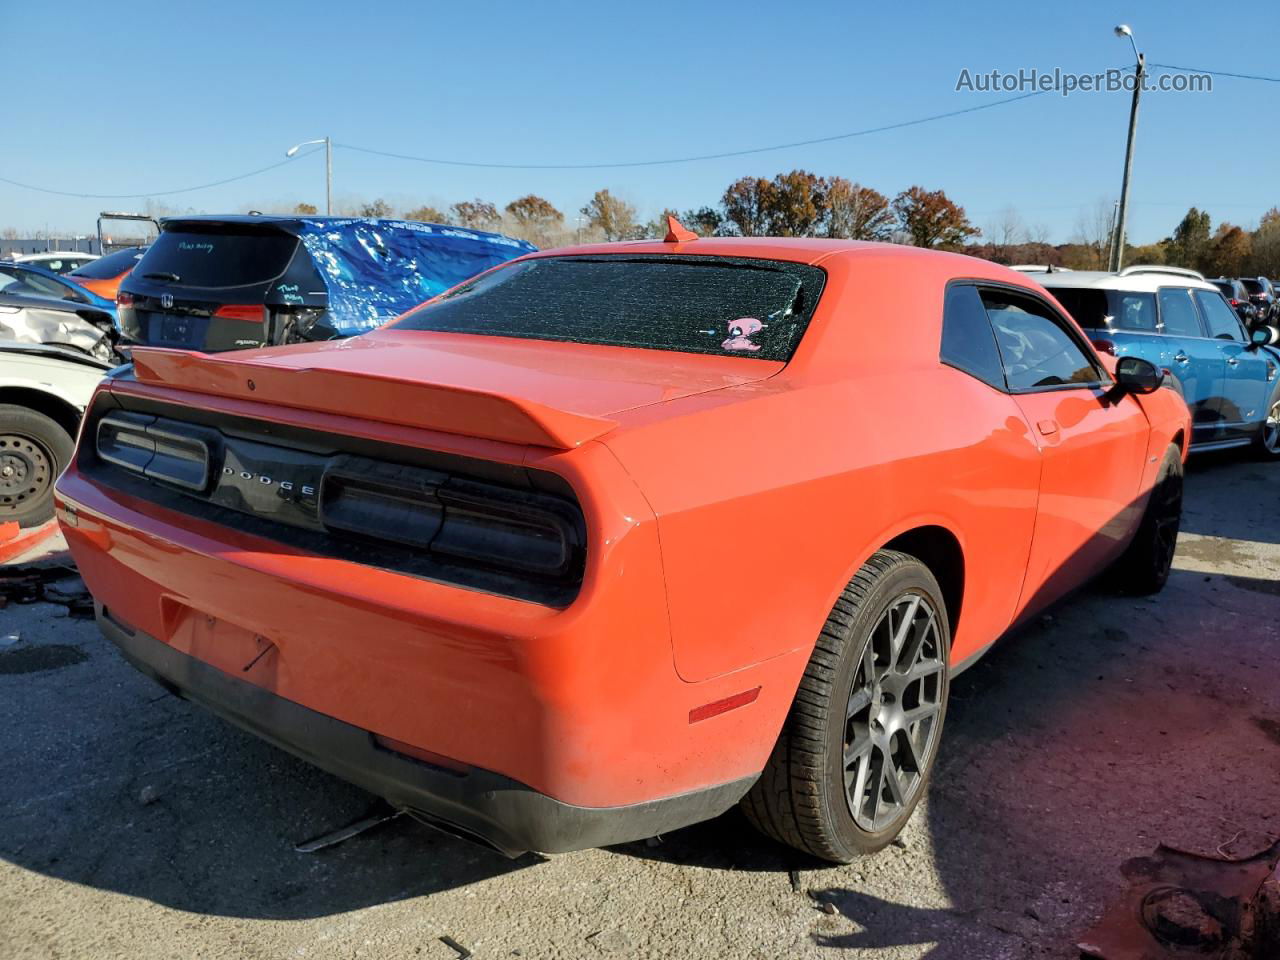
{"type": "Point", "coordinates": [150, 96]}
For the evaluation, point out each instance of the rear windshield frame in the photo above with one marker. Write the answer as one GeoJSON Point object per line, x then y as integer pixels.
{"type": "Point", "coordinates": [810, 282]}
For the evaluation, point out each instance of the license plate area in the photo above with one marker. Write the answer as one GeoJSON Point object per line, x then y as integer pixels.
{"type": "Point", "coordinates": [175, 330]}
{"type": "Point", "coordinates": [230, 648]}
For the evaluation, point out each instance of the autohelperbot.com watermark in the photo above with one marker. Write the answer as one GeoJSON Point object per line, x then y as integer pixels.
{"type": "Point", "coordinates": [1064, 82]}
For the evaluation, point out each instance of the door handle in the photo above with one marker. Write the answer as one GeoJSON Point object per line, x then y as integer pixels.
{"type": "Point", "coordinates": [1232, 362]}
{"type": "Point", "coordinates": [1181, 358]}
{"type": "Point", "coordinates": [1047, 427]}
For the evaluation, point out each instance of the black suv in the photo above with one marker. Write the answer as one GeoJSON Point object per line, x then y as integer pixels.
{"type": "Point", "coordinates": [1264, 297]}
{"type": "Point", "coordinates": [229, 283]}
{"type": "Point", "coordinates": [1238, 297]}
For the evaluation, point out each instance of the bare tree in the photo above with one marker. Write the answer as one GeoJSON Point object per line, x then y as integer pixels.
{"type": "Point", "coordinates": [1093, 232]}
{"type": "Point", "coordinates": [1005, 232]}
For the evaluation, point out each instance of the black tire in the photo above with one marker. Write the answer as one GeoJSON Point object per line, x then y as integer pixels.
{"type": "Point", "coordinates": [1144, 567]}
{"type": "Point", "coordinates": [1267, 446]}
{"type": "Point", "coordinates": [34, 449]}
{"type": "Point", "coordinates": [803, 796]}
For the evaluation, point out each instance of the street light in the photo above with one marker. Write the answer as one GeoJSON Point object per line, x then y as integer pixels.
{"type": "Point", "coordinates": [328, 169]}
{"type": "Point", "coordinates": [1117, 239]}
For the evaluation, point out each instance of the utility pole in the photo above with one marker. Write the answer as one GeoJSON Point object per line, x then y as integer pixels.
{"type": "Point", "coordinates": [328, 169]}
{"type": "Point", "coordinates": [1117, 240]}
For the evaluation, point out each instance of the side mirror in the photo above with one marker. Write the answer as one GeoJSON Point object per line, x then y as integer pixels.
{"type": "Point", "coordinates": [1135, 375]}
{"type": "Point", "coordinates": [1264, 336]}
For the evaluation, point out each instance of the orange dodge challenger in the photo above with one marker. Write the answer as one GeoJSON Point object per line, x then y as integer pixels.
{"type": "Point", "coordinates": [609, 539]}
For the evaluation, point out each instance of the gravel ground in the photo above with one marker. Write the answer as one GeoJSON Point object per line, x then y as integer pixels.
{"type": "Point", "coordinates": [133, 824]}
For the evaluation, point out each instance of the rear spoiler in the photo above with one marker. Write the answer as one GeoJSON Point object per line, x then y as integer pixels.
{"type": "Point", "coordinates": [411, 403]}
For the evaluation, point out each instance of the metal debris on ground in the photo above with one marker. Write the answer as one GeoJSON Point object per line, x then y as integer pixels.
{"type": "Point", "coordinates": [462, 952]}
{"type": "Point", "coordinates": [353, 829]}
{"type": "Point", "coordinates": [34, 584]}
{"type": "Point", "coordinates": [1181, 903]}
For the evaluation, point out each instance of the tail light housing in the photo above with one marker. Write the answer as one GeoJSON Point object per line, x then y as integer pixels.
{"type": "Point", "coordinates": [124, 298]}
{"type": "Point", "coordinates": [1103, 345]}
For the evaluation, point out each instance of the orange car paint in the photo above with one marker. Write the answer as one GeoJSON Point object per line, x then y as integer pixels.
{"type": "Point", "coordinates": [727, 501]}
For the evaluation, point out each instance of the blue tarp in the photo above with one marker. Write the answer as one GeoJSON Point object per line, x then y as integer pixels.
{"type": "Point", "coordinates": [377, 269]}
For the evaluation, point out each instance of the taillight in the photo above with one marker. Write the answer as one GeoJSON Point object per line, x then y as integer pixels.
{"type": "Point", "coordinates": [1103, 345]}
{"type": "Point", "coordinates": [245, 312]}
{"type": "Point", "coordinates": [160, 449]}
{"type": "Point", "coordinates": [468, 520]}
{"type": "Point", "coordinates": [1234, 302]}
{"type": "Point", "coordinates": [124, 299]}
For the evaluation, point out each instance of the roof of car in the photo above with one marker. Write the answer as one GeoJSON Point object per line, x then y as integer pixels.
{"type": "Point", "coordinates": [295, 223]}
{"type": "Point", "coordinates": [809, 250]}
{"type": "Point", "coordinates": [1140, 279]}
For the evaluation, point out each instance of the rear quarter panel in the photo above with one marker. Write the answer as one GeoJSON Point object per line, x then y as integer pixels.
{"type": "Point", "coordinates": [770, 496]}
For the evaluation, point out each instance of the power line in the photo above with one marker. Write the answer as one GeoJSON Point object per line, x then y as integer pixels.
{"type": "Point", "coordinates": [1216, 73]}
{"type": "Point", "coordinates": [152, 193]}
{"type": "Point", "coordinates": [693, 159]}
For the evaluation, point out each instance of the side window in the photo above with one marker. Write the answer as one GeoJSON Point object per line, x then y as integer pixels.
{"type": "Point", "coordinates": [1134, 311]}
{"type": "Point", "coordinates": [1221, 320]}
{"type": "Point", "coordinates": [1035, 347]}
{"type": "Point", "coordinates": [967, 341]}
{"type": "Point", "coordinates": [1178, 314]}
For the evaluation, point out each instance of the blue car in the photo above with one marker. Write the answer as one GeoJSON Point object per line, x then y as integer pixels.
{"type": "Point", "coordinates": [28, 280]}
{"type": "Point", "coordinates": [235, 282]}
{"type": "Point", "coordinates": [1229, 375]}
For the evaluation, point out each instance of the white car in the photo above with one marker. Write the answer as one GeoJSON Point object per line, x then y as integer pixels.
{"type": "Point", "coordinates": [58, 261]}
{"type": "Point", "coordinates": [44, 390]}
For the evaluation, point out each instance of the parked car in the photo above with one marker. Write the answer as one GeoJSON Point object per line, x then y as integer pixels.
{"type": "Point", "coordinates": [103, 276]}
{"type": "Point", "coordinates": [1229, 376]}
{"type": "Point", "coordinates": [39, 307]}
{"type": "Point", "coordinates": [43, 392]}
{"type": "Point", "coordinates": [605, 540]}
{"type": "Point", "coordinates": [227, 283]}
{"type": "Point", "coordinates": [26, 279]}
{"type": "Point", "coordinates": [58, 261]}
{"type": "Point", "coordinates": [1263, 296]}
{"type": "Point", "coordinates": [1238, 297]}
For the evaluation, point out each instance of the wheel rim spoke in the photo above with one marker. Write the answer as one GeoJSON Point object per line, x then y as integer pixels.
{"type": "Point", "coordinates": [858, 702]}
{"type": "Point", "coordinates": [903, 631]}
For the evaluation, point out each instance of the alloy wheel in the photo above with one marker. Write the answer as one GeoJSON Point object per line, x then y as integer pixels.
{"type": "Point", "coordinates": [1168, 519]}
{"type": "Point", "coordinates": [893, 713]}
{"type": "Point", "coordinates": [1271, 429]}
{"type": "Point", "coordinates": [26, 472]}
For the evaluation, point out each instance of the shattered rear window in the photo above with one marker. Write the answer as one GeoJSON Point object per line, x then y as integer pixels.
{"type": "Point", "coordinates": [726, 306]}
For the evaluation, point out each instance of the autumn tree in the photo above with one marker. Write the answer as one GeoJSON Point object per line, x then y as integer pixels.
{"type": "Point", "coordinates": [477, 214]}
{"type": "Point", "coordinates": [797, 204]}
{"type": "Point", "coordinates": [1190, 241]}
{"type": "Point", "coordinates": [855, 212]}
{"type": "Point", "coordinates": [1266, 245]}
{"type": "Point", "coordinates": [929, 218]}
{"type": "Point", "coordinates": [612, 216]}
{"type": "Point", "coordinates": [305, 210]}
{"type": "Point", "coordinates": [531, 210]}
{"type": "Point", "coordinates": [427, 214]}
{"type": "Point", "coordinates": [1228, 253]}
{"type": "Point", "coordinates": [747, 203]}
{"type": "Point", "coordinates": [378, 208]}
{"type": "Point", "coordinates": [704, 221]}
{"type": "Point", "coordinates": [534, 219]}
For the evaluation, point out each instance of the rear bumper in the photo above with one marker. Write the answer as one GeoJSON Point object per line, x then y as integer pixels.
{"type": "Point", "coordinates": [478, 804]}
